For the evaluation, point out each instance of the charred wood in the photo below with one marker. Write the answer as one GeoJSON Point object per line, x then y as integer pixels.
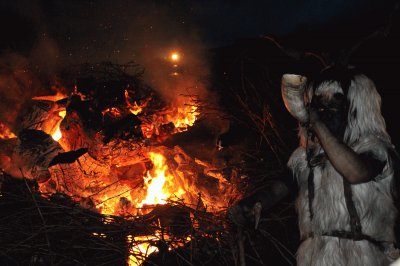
{"type": "Point", "coordinates": [67, 157]}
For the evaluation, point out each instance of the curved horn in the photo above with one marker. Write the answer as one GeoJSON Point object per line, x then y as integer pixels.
{"type": "Point", "coordinates": [292, 89]}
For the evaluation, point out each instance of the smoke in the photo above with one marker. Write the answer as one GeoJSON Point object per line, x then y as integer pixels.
{"type": "Point", "coordinates": [188, 75]}
{"type": "Point", "coordinates": [28, 58]}
{"type": "Point", "coordinates": [142, 31]}
{"type": "Point", "coordinates": [17, 85]}
{"type": "Point", "coordinates": [147, 32]}
{"type": "Point", "coordinates": [24, 77]}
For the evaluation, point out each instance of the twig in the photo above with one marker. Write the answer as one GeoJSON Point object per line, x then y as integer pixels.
{"type": "Point", "coordinates": [254, 249]}
{"type": "Point", "coordinates": [278, 244]}
{"type": "Point", "coordinates": [242, 260]}
{"type": "Point", "coordinates": [39, 211]}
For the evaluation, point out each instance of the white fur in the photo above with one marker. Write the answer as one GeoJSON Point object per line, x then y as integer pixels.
{"type": "Point", "coordinates": [365, 132]}
{"type": "Point", "coordinates": [366, 101]}
{"type": "Point", "coordinates": [396, 263]}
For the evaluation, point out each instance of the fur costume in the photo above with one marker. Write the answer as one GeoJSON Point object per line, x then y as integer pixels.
{"type": "Point", "coordinates": [365, 133]}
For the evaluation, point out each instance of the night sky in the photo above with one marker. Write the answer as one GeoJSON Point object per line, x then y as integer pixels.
{"type": "Point", "coordinates": [119, 29]}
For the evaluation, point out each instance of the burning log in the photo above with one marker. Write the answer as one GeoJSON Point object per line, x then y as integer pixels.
{"type": "Point", "coordinates": [79, 176]}
{"type": "Point", "coordinates": [32, 155]}
{"type": "Point", "coordinates": [67, 157]}
{"type": "Point", "coordinates": [40, 115]}
{"type": "Point", "coordinates": [125, 129]}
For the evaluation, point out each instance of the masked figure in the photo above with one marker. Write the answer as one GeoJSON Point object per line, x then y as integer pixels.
{"type": "Point", "coordinates": [345, 170]}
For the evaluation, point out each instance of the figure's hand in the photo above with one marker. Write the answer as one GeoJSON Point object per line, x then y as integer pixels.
{"type": "Point", "coordinates": [249, 208]}
{"type": "Point", "coordinates": [241, 215]}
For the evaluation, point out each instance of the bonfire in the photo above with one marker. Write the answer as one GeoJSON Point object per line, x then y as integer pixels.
{"type": "Point", "coordinates": [97, 158]}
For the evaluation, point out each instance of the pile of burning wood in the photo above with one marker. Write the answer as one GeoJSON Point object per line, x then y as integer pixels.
{"type": "Point", "coordinates": [96, 172]}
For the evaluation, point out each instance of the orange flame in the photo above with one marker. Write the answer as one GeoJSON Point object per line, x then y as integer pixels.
{"type": "Point", "coordinates": [140, 249]}
{"type": "Point", "coordinates": [185, 117]}
{"type": "Point", "coordinates": [5, 132]}
{"type": "Point", "coordinates": [182, 116]}
{"type": "Point", "coordinates": [111, 200]}
{"type": "Point", "coordinates": [160, 185]}
{"type": "Point", "coordinates": [112, 111]}
{"type": "Point", "coordinates": [134, 108]}
{"type": "Point", "coordinates": [52, 98]}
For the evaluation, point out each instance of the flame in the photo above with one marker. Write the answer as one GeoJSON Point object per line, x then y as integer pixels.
{"type": "Point", "coordinates": [5, 132]}
{"type": "Point", "coordinates": [134, 108]}
{"type": "Point", "coordinates": [140, 249]}
{"type": "Point", "coordinates": [57, 135]}
{"type": "Point", "coordinates": [115, 201]}
{"type": "Point", "coordinates": [52, 98]}
{"type": "Point", "coordinates": [182, 115]}
{"type": "Point", "coordinates": [185, 117]}
{"type": "Point", "coordinates": [113, 112]}
{"type": "Point", "coordinates": [160, 185]}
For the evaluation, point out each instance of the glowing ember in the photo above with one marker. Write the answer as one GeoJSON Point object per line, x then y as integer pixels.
{"type": "Point", "coordinates": [57, 135]}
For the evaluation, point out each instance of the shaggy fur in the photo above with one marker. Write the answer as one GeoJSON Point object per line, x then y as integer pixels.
{"type": "Point", "coordinates": [365, 132]}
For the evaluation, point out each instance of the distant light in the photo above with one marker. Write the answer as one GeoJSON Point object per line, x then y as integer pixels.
{"type": "Point", "coordinates": [174, 56]}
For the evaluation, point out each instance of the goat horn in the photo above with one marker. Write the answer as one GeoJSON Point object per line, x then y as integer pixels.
{"type": "Point", "coordinates": [292, 89]}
